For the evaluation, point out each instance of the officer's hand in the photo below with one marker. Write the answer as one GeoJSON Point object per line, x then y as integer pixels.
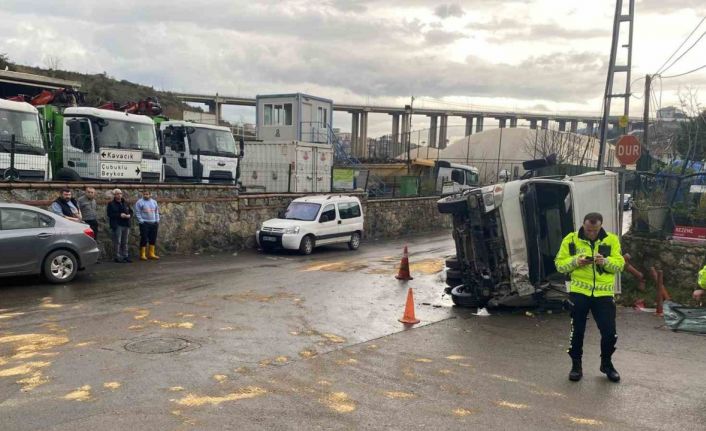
{"type": "Point", "coordinates": [599, 259]}
{"type": "Point", "coordinates": [583, 261]}
{"type": "Point", "coordinates": [698, 294]}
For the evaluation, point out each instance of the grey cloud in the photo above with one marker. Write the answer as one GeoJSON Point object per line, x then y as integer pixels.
{"type": "Point", "coordinates": [442, 37]}
{"type": "Point", "coordinates": [666, 6]}
{"type": "Point", "coordinates": [444, 11]}
{"type": "Point", "coordinates": [505, 29]}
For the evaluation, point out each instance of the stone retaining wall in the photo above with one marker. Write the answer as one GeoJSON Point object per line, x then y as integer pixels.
{"type": "Point", "coordinates": [211, 218]}
{"type": "Point", "coordinates": [680, 262]}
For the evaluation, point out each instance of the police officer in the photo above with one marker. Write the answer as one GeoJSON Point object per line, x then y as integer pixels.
{"type": "Point", "coordinates": [699, 293]}
{"type": "Point", "coordinates": [593, 258]}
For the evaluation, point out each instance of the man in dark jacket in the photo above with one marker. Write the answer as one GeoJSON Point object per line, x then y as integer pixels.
{"type": "Point", "coordinates": [119, 216]}
{"type": "Point", "coordinates": [66, 206]}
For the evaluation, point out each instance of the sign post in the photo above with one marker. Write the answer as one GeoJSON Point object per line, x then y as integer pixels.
{"type": "Point", "coordinates": [627, 151]}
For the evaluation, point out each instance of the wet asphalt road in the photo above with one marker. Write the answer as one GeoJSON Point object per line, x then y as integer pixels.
{"type": "Point", "coordinates": [293, 342]}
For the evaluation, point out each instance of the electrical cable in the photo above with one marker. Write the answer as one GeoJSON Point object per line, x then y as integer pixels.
{"type": "Point", "coordinates": [685, 73]}
{"type": "Point", "coordinates": [684, 53]}
{"type": "Point", "coordinates": [682, 44]}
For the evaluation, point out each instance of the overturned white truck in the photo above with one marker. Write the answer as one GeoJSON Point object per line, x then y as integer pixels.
{"type": "Point", "coordinates": [508, 234]}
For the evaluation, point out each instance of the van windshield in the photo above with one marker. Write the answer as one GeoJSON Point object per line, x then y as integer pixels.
{"type": "Point", "coordinates": [302, 211]}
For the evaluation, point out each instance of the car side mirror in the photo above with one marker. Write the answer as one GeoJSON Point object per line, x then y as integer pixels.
{"type": "Point", "coordinates": [323, 219]}
{"type": "Point", "coordinates": [281, 214]}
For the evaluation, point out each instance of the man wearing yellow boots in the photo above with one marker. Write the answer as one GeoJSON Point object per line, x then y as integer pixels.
{"type": "Point", "coordinates": [147, 212]}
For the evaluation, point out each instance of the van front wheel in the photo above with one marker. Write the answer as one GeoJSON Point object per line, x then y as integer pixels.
{"type": "Point", "coordinates": [307, 245]}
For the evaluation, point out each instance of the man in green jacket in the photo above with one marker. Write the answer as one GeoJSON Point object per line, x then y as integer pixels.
{"type": "Point", "coordinates": [699, 293]}
{"type": "Point", "coordinates": [593, 258]}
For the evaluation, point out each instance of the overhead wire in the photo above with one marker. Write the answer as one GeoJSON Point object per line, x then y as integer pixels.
{"type": "Point", "coordinates": [682, 44]}
{"type": "Point", "coordinates": [684, 53]}
{"type": "Point", "coordinates": [685, 73]}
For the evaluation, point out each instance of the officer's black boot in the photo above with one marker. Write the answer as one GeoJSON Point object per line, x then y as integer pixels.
{"type": "Point", "coordinates": [576, 370]}
{"type": "Point", "coordinates": [609, 370]}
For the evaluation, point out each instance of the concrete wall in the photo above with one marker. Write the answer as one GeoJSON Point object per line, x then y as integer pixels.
{"type": "Point", "coordinates": [204, 218]}
{"type": "Point", "coordinates": [680, 263]}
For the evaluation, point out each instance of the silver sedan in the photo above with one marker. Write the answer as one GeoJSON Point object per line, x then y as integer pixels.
{"type": "Point", "coordinates": [36, 241]}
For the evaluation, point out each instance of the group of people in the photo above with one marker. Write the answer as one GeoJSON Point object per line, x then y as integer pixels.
{"type": "Point", "coordinates": [120, 216]}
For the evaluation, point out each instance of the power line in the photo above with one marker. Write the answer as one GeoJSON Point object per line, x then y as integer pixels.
{"type": "Point", "coordinates": [685, 52]}
{"type": "Point", "coordinates": [685, 73]}
{"type": "Point", "coordinates": [682, 44]}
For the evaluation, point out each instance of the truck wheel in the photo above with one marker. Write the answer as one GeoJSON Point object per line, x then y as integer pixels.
{"type": "Point", "coordinates": [307, 245]}
{"type": "Point", "coordinates": [67, 174]}
{"type": "Point", "coordinates": [454, 204]}
{"type": "Point", "coordinates": [60, 267]}
{"type": "Point", "coordinates": [453, 263]}
{"type": "Point", "coordinates": [170, 175]}
{"type": "Point", "coordinates": [466, 299]}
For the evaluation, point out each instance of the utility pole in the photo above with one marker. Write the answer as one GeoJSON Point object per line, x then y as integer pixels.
{"type": "Point", "coordinates": [646, 114]}
{"type": "Point", "coordinates": [409, 136]}
{"type": "Point", "coordinates": [613, 69]}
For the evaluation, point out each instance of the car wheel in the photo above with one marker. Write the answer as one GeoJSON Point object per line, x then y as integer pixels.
{"type": "Point", "coordinates": [462, 298]}
{"type": "Point", "coordinates": [454, 204]}
{"type": "Point", "coordinates": [453, 263]}
{"type": "Point", "coordinates": [307, 245]}
{"type": "Point", "coordinates": [354, 243]}
{"type": "Point", "coordinates": [60, 266]}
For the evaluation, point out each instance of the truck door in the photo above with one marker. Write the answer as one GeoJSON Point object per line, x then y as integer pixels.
{"type": "Point", "coordinates": [78, 146]}
{"type": "Point", "coordinates": [176, 150]}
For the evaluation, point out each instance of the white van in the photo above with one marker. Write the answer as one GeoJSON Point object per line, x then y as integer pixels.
{"type": "Point", "coordinates": [312, 221]}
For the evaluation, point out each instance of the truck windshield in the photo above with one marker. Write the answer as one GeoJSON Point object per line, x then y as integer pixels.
{"type": "Point", "coordinates": [472, 178]}
{"type": "Point", "coordinates": [127, 135]}
{"type": "Point", "coordinates": [211, 142]}
{"type": "Point", "coordinates": [302, 211]}
{"type": "Point", "coordinates": [25, 127]}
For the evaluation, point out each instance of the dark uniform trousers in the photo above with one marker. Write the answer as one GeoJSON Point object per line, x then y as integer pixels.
{"type": "Point", "coordinates": [603, 311]}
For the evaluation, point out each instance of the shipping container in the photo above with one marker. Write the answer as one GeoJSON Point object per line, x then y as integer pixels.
{"type": "Point", "coordinates": [281, 167]}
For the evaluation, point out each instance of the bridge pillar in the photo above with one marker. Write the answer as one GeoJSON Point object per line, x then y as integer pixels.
{"type": "Point", "coordinates": [469, 126]}
{"type": "Point", "coordinates": [533, 124]}
{"type": "Point", "coordinates": [590, 125]}
{"type": "Point", "coordinates": [562, 125]}
{"type": "Point", "coordinates": [574, 126]}
{"type": "Point", "coordinates": [405, 133]}
{"type": "Point", "coordinates": [395, 141]}
{"type": "Point", "coordinates": [479, 124]}
{"type": "Point", "coordinates": [443, 131]}
{"type": "Point", "coordinates": [545, 123]}
{"type": "Point", "coordinates": [364, 147]}
{"type": "Point", "coordinates": [502, 122]}
{"type": "Point", "coordinates": [354, 133]}
{"type": "Point", "coordinates": [513, 122]}
{"type": "Point", "coordinates": [433, 132]}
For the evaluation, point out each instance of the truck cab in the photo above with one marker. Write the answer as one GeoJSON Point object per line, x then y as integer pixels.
{"type": "Point", "coordinates": [23, 154]}
{"type": "Point", "coordinates": [199, 152]}
{"type": "Point", "coordinates": [507, 235]}
{"type": "Point", "coordinates": [453, 177]}
{"type": "Point", "coordinates": [100, 144]}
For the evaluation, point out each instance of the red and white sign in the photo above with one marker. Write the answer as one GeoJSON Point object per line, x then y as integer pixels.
{"type": "Point", "coordinates": [628, 150]}
{"type": "Point", "coordinates": [689, 232]}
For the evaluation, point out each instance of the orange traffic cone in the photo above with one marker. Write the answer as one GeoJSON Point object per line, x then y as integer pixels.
{"type": "Point", "coordinates": [403, 273]}
{"type": "Point", "coordinates": [408, 316]}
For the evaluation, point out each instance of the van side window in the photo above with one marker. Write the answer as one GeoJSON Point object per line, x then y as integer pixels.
{"type": "Point", "coordinates": [349, 210]}
{"type": "Point", "coordinates": [330, 212]}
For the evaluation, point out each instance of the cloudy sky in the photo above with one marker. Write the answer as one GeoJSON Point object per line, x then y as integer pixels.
{"type": "Point", "coordinates": [548, 55]}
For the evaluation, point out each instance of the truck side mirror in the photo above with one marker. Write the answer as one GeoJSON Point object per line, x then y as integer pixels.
{"type": "Point", "coordinates": [242, 147]}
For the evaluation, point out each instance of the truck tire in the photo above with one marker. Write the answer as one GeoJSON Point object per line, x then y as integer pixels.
{"type": "Point", "coordinates": [454, 204]}
{"type": "Point", "coordinates": [466, 299]}
{"type": "Point", "coordinates": [454, 273]}
{"type": "Point", "coordinates": [453, 263]}
{"type": "Point", "coordinates": [67, 174]}
{"type": "Point", "coordinates": [170, 175]}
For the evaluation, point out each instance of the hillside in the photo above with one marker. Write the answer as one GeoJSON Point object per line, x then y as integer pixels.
{"type": "Point", "coordinates": [100, 88]}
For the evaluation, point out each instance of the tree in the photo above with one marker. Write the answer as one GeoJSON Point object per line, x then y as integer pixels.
{"type": "Point", "coordinates": [4, 61]}
{"type": "Point", "coordinates": [691, 139]}
{"type": "Point", "coordinates": [570, 148]}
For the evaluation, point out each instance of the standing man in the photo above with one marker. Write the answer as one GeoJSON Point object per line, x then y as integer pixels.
{"type": "Point", "coordinates": [147, 212]}
{"type": "Point", "coordinates": [66, 206]}
{"type": "Point", "coordinates": [87, 206]}
{"type": "Point", "coordinates": [593, 258]}
{"type": "Point", "coordinates": [699, 293]}
{"type": "Point", "coordinates": [119, 215]}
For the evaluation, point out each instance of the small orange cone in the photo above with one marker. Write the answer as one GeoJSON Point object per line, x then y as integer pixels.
{"type": "Point", "coordinates": [403, 273]}
{"type": "Point", "coordinates": [408, 316]}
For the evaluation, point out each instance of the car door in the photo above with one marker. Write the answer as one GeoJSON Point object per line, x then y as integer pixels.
{"type": "Point", "coordinates": [24, 238]}
{"type": "Point", "coordinates": [351, 219]}
{"type": "Point", "coordinates": [327, 231]}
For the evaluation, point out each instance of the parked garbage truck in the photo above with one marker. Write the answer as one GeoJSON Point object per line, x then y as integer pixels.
{"type": "Point", "coordinates": [507, 236]}
{"type": "Point", "coordinates": [23, 154]}
{"type": "Point", "coordinates": [199, 152]}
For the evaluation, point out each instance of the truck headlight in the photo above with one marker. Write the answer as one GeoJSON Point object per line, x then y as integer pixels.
{"type": "Point", "coordinates": [292, 230]}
